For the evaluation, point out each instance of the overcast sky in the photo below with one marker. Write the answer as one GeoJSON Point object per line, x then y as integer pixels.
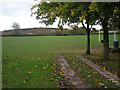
{"type": "Point", "coordinates": [19, 11]}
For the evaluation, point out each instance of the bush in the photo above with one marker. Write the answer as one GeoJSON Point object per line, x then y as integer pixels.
{"type": "Point", "coordinates": [78, 30]}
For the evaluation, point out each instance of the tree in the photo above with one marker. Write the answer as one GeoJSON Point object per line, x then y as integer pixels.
{"type": "Point", "coordinates": [15, 25]}
{"type": "Point", "coordinates": [67, 12]}
{"type": "Point", "coordinates": [77, 30]}
{"type": "Point", "coordinates": [114, 21]}
{"type": "Point", "coordinates": [108, 14]}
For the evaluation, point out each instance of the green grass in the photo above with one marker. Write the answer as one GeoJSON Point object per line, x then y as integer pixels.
{"type": "Point", "coordinates": [25, 72]}
{"type": "Point", "coordinates": [91, 76]}
{"type": "Point", "coordinates": [27, 61]}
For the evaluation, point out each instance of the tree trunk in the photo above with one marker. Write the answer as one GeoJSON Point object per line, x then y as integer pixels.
{"type": "Point", "coordinates": [88, 40]}
{"type": "Point", "coordinates": [88, 34]}
{"type": "Point", "coordinates": [106, 40]}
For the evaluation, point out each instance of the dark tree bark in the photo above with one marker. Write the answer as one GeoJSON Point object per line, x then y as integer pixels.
{"type": "Point", "coordinates": [106, 40]}
{"type": "Point", "coordinates": [88, 40]}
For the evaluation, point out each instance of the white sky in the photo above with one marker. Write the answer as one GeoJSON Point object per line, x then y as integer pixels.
{"type": "Point", "coordinates": [19, 11]}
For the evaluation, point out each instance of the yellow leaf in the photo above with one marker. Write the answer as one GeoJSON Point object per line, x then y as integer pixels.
{"type": "Point", "coordinates": [74, 83]}
{"type": "Point", "coordinates": [105, 87]}
{"type": "Point", "coordinates": [104, 68]}
{"type": "Point", "coordinates": [36, 66]}
{"type": "Point", "coordinates": [116, 10]}
{"type": "Point", "coordinates": [51, 78]}
{"type": "Point", "coordinates": [44, 67]}
{"type": "Point", "coordinates": [66, 70]}
{"type": "Point", "coordinates": [95, 72]}
{"type": "Point", "coordinates": [29, 72]}
{"type": "Point", "coordinates": [82, 18]}
{"type": "Point", "coordinates": [88, 75]}
{"type": "Point", "coordinates": [72, 12]}
{"type": "Point", "coordinates": [115, 75]}
{"type": "Point", "coordinates": [101, 84]}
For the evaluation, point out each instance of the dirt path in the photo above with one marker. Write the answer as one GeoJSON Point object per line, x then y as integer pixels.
{"type": "Point", "coordinates": [71, 77]}
{"type": "Point", "coordinates": [104, 73]}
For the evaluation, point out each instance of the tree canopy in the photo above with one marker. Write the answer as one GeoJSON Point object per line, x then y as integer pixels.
{"type": "Point", "coordinates": [68, 13]}
{"type": "Point", "coordinates": [106, 14]}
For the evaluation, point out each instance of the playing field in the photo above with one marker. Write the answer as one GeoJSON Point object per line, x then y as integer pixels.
{"type": "Point", "coordinates": [29, 61]}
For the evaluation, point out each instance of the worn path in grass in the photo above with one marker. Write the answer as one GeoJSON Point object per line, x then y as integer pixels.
{"type": "Point", "coordinates": [75, 81]}
{"type": "Point", "coordinates": [103, 72]}
{"type": "Point", "coordinates": [72, 80]}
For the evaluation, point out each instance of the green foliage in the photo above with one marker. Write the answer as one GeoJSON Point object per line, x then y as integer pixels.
{"type": "Point", "coordinates": [76, 12]}
{"type": "Point", "coordinates": [78, 30]}
{"type": "Point", "coordinates": [108, 18]}
{"type": "Point", "coordinates": [67, 12]}
{"type": "Point", "coordinates": [110, 15]}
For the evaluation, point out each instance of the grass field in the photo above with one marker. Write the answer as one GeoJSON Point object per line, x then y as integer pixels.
{"type": "Point", "coordinates": [30, 62]}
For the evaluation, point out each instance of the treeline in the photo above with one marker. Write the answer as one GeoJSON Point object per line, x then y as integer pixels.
{"type": "Point", "coordinates": [44, 32]}
{"type": "Point", "coordinates": [48, 32]}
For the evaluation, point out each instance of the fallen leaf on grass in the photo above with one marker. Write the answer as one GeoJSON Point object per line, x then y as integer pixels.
{"type": "Point", "coordinates": [29, 72]}
{"type": "Point", "coordinates": [66, 70]}
{"type": "Point", "coordinates": [61, 74]}
{"type": "Point", "coordinates": [115, 75]}
{"type": "Point", "coordinates": [105, 87]}
{"type": "Point", "coordinates": [101, 84]}
{"type": "Point", "coordinates": [57, 86]}
{"type": "Point", "coordinates": [36, 66]}
{"type": "Point", "coordinates": [88, 75]}
{"type": "Point", "coordinates": [53, 68]}
{"type": "Point", "coordinates": [96, 80]}
{"type": "Point", "coordinates": [44, 67]}
{"type": "Point", "coordinates": [95, 72]}
{"type": "Point", "coordinates": [74, 83]}
{"type": "Point", "coordinates": [52, 79]}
